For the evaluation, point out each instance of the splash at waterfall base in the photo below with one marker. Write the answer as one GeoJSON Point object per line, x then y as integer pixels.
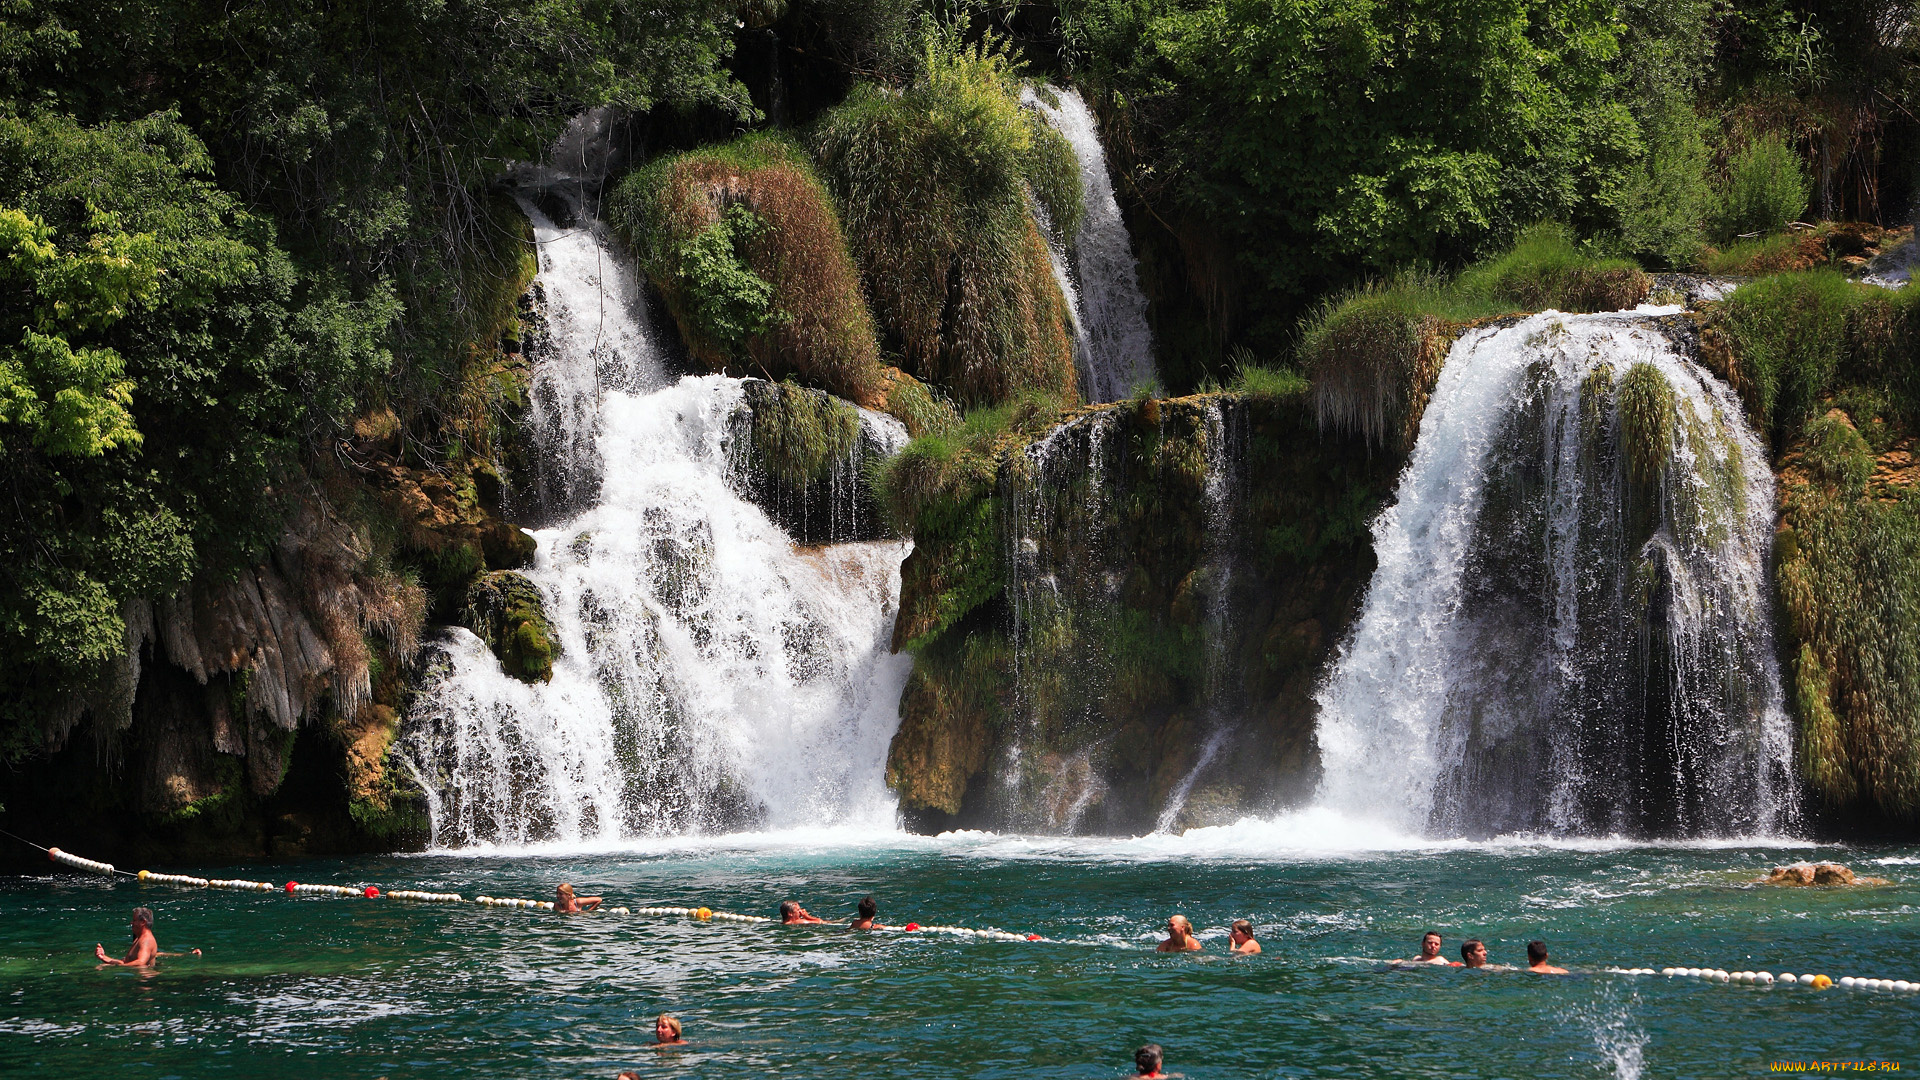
{"type": "Point", "coordinates": [311, 986]}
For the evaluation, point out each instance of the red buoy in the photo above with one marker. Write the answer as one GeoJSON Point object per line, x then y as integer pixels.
{"type": "Point", "coordinates": [292, 885]}
{"type": "Point", "coordinates": [1033, 937]}
{"type": "Point", "coordinates": [913, 926]}
{"type": "Point", "coordinates": [372, 892]}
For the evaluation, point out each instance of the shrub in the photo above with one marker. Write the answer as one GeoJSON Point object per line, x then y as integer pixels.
{"type": "Point", "coordinates": [1790, 332]}
{"type": "Point", "coordinates": [1766, 187]}
{"type": "Point", "coordinates": [744, 244]}
{"type": "Point", "coordinates": [1665, 202]}
{"type": "Point", "coordinates": [1546, 269]}
{"type": "Point", "coordinates": [936, 182]}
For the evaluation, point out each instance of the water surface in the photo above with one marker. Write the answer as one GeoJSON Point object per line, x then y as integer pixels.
{"type": "Point", "coordinates": [337, 988]}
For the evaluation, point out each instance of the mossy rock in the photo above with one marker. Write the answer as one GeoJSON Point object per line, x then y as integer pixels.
{"type": "Point", "coordinates": [937, 183]}
{"type": "Point", "coordinates": [747, 248]}
{"type": "Point", "coordinates": [507, 612]}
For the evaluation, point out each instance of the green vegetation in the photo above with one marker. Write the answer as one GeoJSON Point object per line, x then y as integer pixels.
{"type": "Point", "coordinates": [935, 181]}
{"type": "Point", "coordinates": [1790, 332]}
{"type": "Point", "coordinates": [1646, 422]}
{"type": "Point", "coordinates": [1848, 569]}
{"type": "Point", "coordinates": [1766, 187]}
{"type": "Point", "coordinates": [746, 246]}
{"type": "Point", "coordinates": [799, 436]}
{"type": "Point", "coordinates": [1374, 352]}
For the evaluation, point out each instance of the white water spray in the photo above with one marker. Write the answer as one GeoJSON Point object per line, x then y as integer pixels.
{"type": "Point", "coordinates": [1522, 660]}
{"type": "Point", "coordinates": [712, 674]}
{"type": "Point", "coordinates": [1113, 311]}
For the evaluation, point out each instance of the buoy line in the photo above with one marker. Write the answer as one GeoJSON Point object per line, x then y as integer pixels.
{"type": "Point", "coordinates": [1767, 978]}
{"type": "Point", "coordinates": [373, 892]}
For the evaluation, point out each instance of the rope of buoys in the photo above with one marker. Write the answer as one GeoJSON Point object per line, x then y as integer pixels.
{"type": "Point", "coordinates": [172, 879]}
{"type": "Point", "coordinates": [79, 863]}
{"type": "Point", "coordinates": [371, 892]}
{"type": "Point", "coordinates": [1767, 978]}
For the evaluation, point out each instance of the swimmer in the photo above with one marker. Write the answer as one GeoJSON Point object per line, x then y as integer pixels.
{"type": "Point", "coordinates": [1147, 1061]}
{"type": "Point", "coordinates": [792, 914]}
{"type": "Point", "coordinates": [666, 1032]}
{"type": "Point", "coordinates": [145, 949]}
{"type": "Point", "coordinates": [565, 903]}
{"type": "Point", "coordinates": [1473, 952]}
{"type": "Point", "coordinates": [868, 909]}
{"type": "Point", "coordinates": [1537, 960]}
{"type": "Point", "coordinates": [1429, 951]}
{"type": "Point", "coordinates": [1242, 939]}
{"type": "Point", "coordinates": [1179, 936]}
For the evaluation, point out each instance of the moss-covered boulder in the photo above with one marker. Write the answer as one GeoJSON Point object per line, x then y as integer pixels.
{"type": "Point", "coordinates": [745, 245]}
{"type": "Point", "coordinates": [805, 457]}
{"type": "Point", "coordinates": [507, 612]}
{"type": "Point", "coordinates": [938, 183]}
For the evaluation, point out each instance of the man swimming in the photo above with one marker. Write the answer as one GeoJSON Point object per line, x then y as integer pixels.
{"type": "Point", "coordinates": [868, 909]}
{"type": "Point", "coordinates": [1537, 960]}
{"type": "Point", "coordinates": [565, 903]}
{"type": "Point", "coordinates": [1429, 951]}
{"type": "Point", "coordinates": [1473, 953]}
{"type": "Point", "coordinates": [792, 914]}
{"type": "Point", "coordinates": [1241, 937]}
{"type": "Point", "coordinates": [1179, 936]}
{"type": "Point", "coordinates": [145, 949]}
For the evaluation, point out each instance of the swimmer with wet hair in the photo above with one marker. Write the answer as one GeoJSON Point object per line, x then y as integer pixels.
{"type": "Point", "coordinates": [1473, 953]}
{"type": "Point", "coordinates": [1537, 960]}
{"type": "Point", "coordinates": [565, 903]}
{"type": "Point", "coordinates": [1241, 939]}
{"type": "Point", "coordinates": [1179, 936]}
{"type": "Point", "coordinates": [869, 907]}
{"type": "Point", "coordinates": [666, 1031]}
{"type": "Point", "coordinates": [792, 914]}
{"type": "Point", "coordinates": [1429, 951]}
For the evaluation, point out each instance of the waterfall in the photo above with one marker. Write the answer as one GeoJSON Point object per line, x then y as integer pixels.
{"type": "Point", "coordinates": [1111, 312]}
{"type": "Point", "coordinates": [1568, 629]}
{"type": "Point", "coordinates": [712, 674]}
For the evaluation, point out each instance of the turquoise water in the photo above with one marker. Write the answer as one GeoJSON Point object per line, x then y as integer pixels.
{"type": "Point", "coordinates": [346, 988]}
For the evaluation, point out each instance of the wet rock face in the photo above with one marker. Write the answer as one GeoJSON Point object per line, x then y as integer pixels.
{"type": "Point", "coordinates": [1127, 623]}
{"type": "Point", "coordinates": [506, 611]}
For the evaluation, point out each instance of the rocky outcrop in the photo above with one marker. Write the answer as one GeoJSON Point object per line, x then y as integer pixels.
{"type": "Point", "coordinates": [505, 610]}
{"type": "Point", "coordinates": [1129, 614]}
{"type": "Point", "coordinates": [1808, 873]}
{"type": "Point", "coordinates": [805, 457]}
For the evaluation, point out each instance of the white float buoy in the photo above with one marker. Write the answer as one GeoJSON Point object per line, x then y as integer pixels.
{"type": "Point", "coordinates": [1806, 980]}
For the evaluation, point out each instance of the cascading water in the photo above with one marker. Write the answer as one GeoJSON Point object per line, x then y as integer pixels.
{"type": "Point", "coordinates": [1568, 629]}
{"type": "Point", "coordinates": [1111, 310]}
{"type": "Point", "coordinates": [711, 673]}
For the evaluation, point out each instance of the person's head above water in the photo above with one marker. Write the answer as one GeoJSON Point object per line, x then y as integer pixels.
{"type": "Point", "coordinates": [1148, 1059]}
{"type": "Point", "coordinates": [565, 892]}
{"type": "Point", "coordinates": [789, 909]}
{"type": "Point", "coordinates": [1536, 952]}
{"type": "Point", "coordinates": [1474, 952]}
{"type": "Point", "coordinates": [143, 917]}
{"type": "Point", "coordinates": [869, 907]}
{"type": "Point", "coordinates": [666, 1029]}
{"type": "Point", "coordinates": [1243, 927]}
{"type": "Point", "coordinates": [1430, 944]}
